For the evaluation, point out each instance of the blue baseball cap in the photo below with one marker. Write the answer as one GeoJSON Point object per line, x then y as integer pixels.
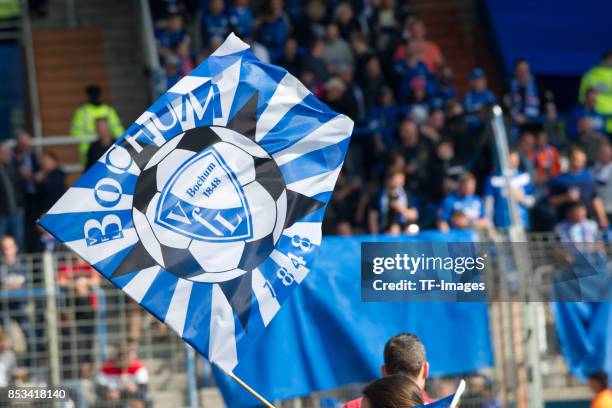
{"type": "Point", "coordinates": [477, 73]}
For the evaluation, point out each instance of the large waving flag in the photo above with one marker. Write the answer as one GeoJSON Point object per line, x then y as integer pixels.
{"type": "Point", "coordinates": [208, 210]}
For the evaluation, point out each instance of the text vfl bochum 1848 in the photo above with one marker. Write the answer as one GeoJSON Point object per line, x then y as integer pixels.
{"type": "Point", "coordinates": [210, 205]}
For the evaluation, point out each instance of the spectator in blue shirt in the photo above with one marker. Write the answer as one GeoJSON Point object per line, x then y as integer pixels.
{"type": "Point", "coordinates": [496, 195]}
{"type": "Point", "coordinates": [273, 29]}
{"type": "Point", "coordinates": [409, 68]}
{"type": "Point", "coordinates": [576, 185]}
{"type": "Point", "coordinates": [464, 200]}
{"type": "Point", "coordinates": [526, 97]}
{"type": "Point", "coordinates": [172, 36]}
{"type": "Point", "coordinates": [215, 23]}
{"type": "Point", "coordinates": [241, 18]}
{"type": "Point", "coordinates": [587, 110]}
{"type": "Point", "coordinates": [394, 212]}
{"type": "Point", "coordinates": [476, 99]}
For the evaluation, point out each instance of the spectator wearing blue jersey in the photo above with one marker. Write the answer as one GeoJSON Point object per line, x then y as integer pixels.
{"type": "Point", "coordinates": [394, 211]}
{"type": "Point", "coordinates": [587, 110]}
{"type": "Point", "coordinates": [526, 97]}
{"type": "Point", "coordinates": [172, 36]}
{"type": "Point", "coordinates": [464, 200]}
{"type": "Point", "coordinates": [241, 18]}
{"type": "Point", "coordinates": [215, 22]}
{"type": "Point", "coordinates": [407, 69]}
{"type": "Point", "coordinates": [496, 195]}
{"type": "Point", "coordinates": [272, 28]}
{"type": "Point", "coordinates": [577, 185]}
{"type": "Point", "coordinates": [477, 99]}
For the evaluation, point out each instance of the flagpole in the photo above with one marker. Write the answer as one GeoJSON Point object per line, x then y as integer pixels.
{"type": "Point", "coordinates": [249, 389]}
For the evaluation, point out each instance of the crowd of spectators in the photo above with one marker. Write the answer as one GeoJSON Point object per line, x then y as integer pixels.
{"type": "Point", "coordinates": [421, 156]}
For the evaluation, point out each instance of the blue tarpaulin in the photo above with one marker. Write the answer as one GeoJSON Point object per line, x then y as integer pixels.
{"type": "Point", "coordinates": [585, 336]}
{"type": "Point", "coordinates": [325, 337]}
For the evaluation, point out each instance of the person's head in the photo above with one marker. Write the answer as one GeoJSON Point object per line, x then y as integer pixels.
{"type": "Point", "coordinates": [418, 86]}
{"type": "Point", "coordinates": [590, 98]}
{"type": "Point", "coordinates": [103, 131]}
{"type": "Point", "coordinates": [542, 138]}
{"type": "Point", "coordinates": [386, 97]}
{"type": "Point", "coordinates": [405, 354]}
{"type": "Point", "coordinates": [332, 32]}
{"type": "Point", "coordinates": [527, 141]}
{"type": "Point", "coordinates": [345, 72]}
{"type": "Point", "coordinates": [584, 126]}
{"type": "Point", "coordinates": [334, 89]}
{"type": "Point", "coordinates": [125, 354]}
{"type": "Point", "coordinates": [24, 141]}
{"type": "Point", "coordinates": [393, 391]}
{"type": "Point", "coordinates": [576, 212]}
{"type": "Point", "coordinates": [344, 229]}
{"type": "Point", "coordinates": [598, 381]}
{"type": "Point", "coordinates": [343, 13]}
{"type": "Point", "coordinates": [445, 150]}
{"type": "Point", "coordinates": [395, 180]}
{"type": "Point", "coordinates": [604, 153]}
{"type": "Point", "coordinates": [216, 7]}
{"type": "Point", "coordinates": [408, 133]}
{"type": "Point", "coordinates": [478, 80]}
{"type": "Point", "coordinates": [467, 184]}
{"type": "Point", "coordinates": [291, 48]}
{"type": "Point", "coordinates": [93, 92]}
{"type": "Point", "coordinates": [437, 119]}
{"type": "Point", "coordinates": [417, 29]}
{"type": "Point", "coordinates": [514, 159]}
{"type": "Point", "coordinates": [49, 161]}
{"type": "Point", "coordinates": [606, 58]}
{"type": "Point", "coordinates": [459, 220]}
{"type": "Point", "coordinates": [5, 153]}
{"type": "Point", "coordinates": [316, 10]}
{"type": "Point", "coordinates": [373, 69]}
{"type": "Point", "coordinates": [577, 159]}
{"type": "Point", "coordinates": [9, 248]}
{"type": "Point", "coordinates": [522, 72]}
{"type": "Point", "coordinates": [317, 48]}
{"type": "Point", "coordinates": [395, 162]}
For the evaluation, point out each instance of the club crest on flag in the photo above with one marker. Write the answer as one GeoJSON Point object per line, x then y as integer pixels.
{"type": "Point", "coordinates": [208, 210]}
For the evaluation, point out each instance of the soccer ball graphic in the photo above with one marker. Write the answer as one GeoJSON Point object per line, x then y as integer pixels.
{"type": "Point", "coordinates": [209, 205]}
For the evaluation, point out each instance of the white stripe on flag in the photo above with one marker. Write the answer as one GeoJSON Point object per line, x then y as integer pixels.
{"type": "Point", "coordinates": [288, 93]}
{"type": "Point", "coordinates": [310, 230]}
{"type": "Point", "coordinates": [227, 81]}
{"type": "Point", "coordinates": [268, 305]}
{"type": "Point", "coordinates": [330, 133]}
{"type": "Point", "coordinates": [231, 45]}
{"type": "Point", "coordinates": [282, 260]}
{"type": "Point", "coordinates": [188, 84]}
{"type": "Point", "coordinates": [99, 252]}
{"type": "Point", "coordinates": [139, 285]}
{"type": "Point", "coordinates": [314, 185]}
{"type": "Point", "coordinates": [78, 199]}
{"type": "Point", "coordinates": [222, 344]}
{"type": "Point", "coordinates": [177, 311]}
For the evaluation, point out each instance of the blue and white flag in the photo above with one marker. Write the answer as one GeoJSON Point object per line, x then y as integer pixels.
{"type": "Point", "coordinates": [451, 401]}
{"type": "Point", "coordinates": [208, 210]}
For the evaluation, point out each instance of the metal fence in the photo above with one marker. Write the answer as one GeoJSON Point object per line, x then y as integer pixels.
{"type": "Point", "coordinates": [62, 322]}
